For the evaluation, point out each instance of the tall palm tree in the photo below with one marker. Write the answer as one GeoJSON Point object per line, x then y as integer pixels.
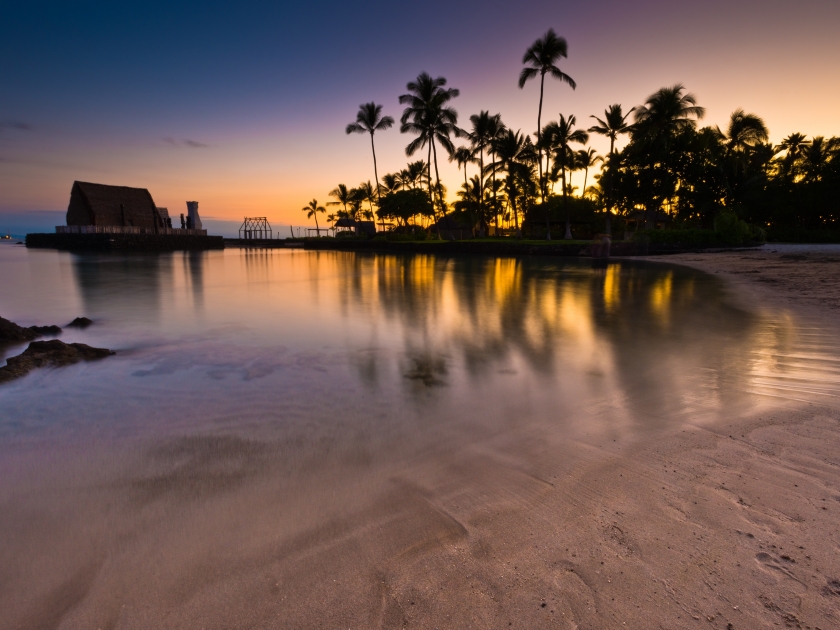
{"type": "Point", "coordinates": [612, 125]}
{"type": "Point", "coordinates": [483, 128]}
{"type": "Point", "coordinates": [428, 115]}
{"type": "Point", "coordinates": [564, 136]}
{"type": "Point", "coordinates": [497, 128]}
{"type": "Point", "coordinates": [331, 218]}
{"type": "Point", "coordinates": [542, 57]}
{"type": "Point", "coordinates": [312, 209]}
{"type": "Point", "coordinates": [342, 195]}
{"type": "Point", "coordinates": [369, 119]}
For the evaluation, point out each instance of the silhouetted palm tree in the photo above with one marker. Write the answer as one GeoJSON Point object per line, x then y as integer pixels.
{"type": "Point", "coordinates": [586, 159]}
{"type": "Point", "coordinates": [343, 196]}
{"type": "Point", "coordinates": [564, 135]}
{"type": "Point", "coordinates": [312, 209]}
{"type": "Point", "coordinates": [369, 119]}
{"type": "Point", "coordinates": [391, 182]}
{"type": "Point", "coordinates": [464, 155]}
{"type": "Point", "coordinates": [613, 125]}
{"type": "Point", "coordinates": [542, 57]}
{"type": "Point", "coordinates": [428, 116]}
{"type": "Point", "coordinates": [744, 130]}
{"type": "Point", "coordinates": [513, 154]}
{"type": "Point", "coordinates": [793, 146]}
{"type": "Point", "coordinates": [365, 192]}
{"type": "Point", "coordinates": [483, 128]}
{"type": "Point", "coordinates": [666, 112]}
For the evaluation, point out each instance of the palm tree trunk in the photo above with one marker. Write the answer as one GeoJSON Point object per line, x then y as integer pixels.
{"type": "Point", "coordinates": [608, 200]}
{"type": "Point", "coordinates": [375, 174]}
{"type": "Point", "coordinates": [539, 157]}
{"type": "Point", "coordinates": [431, 196]}
{"type": "Point", "coordinates": [568, 235]}
{"type": "Point", "coordinates": [481, 181]}
{"type": "Point", "coordinates": [437, 179]}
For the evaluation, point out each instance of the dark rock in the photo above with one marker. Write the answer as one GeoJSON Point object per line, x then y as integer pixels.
{"type": "Point", "coordinates": [54, 353]}
{"type": "Point", "coordinates": [12, 333]}
{"type": "Point", "coordinates": [46, 330]}
{"type": "Point", "coordinates": [80, 322]}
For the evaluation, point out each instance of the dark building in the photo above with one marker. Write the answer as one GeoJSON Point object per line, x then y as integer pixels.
{"type": "Point", "coordinates": [115, 206]}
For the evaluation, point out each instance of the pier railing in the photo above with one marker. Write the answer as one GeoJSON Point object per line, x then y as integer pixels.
{"type": "Point", "coordinates": [119, 229]}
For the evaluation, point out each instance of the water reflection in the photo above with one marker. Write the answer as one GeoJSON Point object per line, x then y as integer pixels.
{"type": "Point", "coordinates": [135, 283]}
{"type": "Point", "coordinates": [657, 337]}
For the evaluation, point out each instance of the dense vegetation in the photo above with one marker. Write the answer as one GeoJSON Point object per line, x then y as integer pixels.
{"type": "Point", "coordinates": [705, 185]}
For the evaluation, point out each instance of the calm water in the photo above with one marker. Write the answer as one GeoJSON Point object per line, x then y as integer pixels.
{"type": "Point", "coordinates": [249, 340]}
{"type": "Point", "coordinates": [264, 404]}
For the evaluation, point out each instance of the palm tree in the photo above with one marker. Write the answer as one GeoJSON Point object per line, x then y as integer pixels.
{"type": "Point", "coordinates": [586, 159]}
{"type": "Point", "coordinates": [744, 130]}
{"type": "Point", "coordinates": [542, 57]}
{"type": "Point", "coordinates": [484, 127]}
{"type": "Point", "coordinates": [369, 119]}
{"type": "Point", "coordinates": [312, 209]}
{"type": "Point", "coordinates": [365, 193]}
{"type": "Point", "coordinates": [513, 154]}
{"type": "Point", "coordinates": [415, 172]}
{"type": "Point", "coordinates": [612, 125]}
{"type": "Point", "coordinates": [391, 182]}
{"type": "Point", "coordinates": [665, 113]}
{"type": "Point", "coordinates": [564, 135]}
{"type": "Point", "coordinates": [428, 116]}
{"type": "Point", "coordinates": [342, 195]}
{"type": "Point", "coordinates": [793, 145]}
{"type": "Point", "coordinates": [331, 218]}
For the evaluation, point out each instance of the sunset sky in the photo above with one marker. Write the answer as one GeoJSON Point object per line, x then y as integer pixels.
{"type": "Point", "coordinates": [243, 107]}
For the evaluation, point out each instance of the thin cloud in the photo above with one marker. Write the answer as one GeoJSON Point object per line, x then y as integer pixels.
{"type": "Point", "coordinates": [15, 125]}
{"type": "Point", "coordinates": [186, 142]}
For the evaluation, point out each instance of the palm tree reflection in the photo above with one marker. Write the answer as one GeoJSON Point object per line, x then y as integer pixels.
{"type": "Point", "coordinates": [654, 332]}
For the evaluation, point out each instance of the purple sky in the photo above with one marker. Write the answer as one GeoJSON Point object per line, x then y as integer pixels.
{"type": "Point", "coordinates": [244, 108]}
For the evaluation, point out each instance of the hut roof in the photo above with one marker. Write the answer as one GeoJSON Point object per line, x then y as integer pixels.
{"type": "Point", "coordinates": [98, 204]}
{"type": "Point", "coordinates": [345, 222]}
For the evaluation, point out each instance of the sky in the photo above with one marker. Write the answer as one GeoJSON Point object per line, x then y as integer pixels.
{"type": "Point", "coordinates": [242, 106]}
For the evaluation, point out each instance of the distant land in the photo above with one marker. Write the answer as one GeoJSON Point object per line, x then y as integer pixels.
{"type": "Point", "coordinates": [21, 223]}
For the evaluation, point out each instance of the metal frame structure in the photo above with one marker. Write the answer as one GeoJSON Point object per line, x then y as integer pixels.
{"type": "Point", "coordinates": [255, 228]}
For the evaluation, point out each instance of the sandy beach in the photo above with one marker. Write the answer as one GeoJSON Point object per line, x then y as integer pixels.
{"type": "Point", "coordinates": [727, 525]}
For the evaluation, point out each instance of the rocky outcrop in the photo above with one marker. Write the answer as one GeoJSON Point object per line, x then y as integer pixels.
{"type": "Point", "coordinates": [12, 333]}
{"type": "Point", "coordinates": [53, 353]}
{"type": "Point", "coordinates": [80, 322]}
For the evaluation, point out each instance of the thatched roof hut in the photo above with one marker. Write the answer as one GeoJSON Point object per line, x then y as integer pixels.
{"type": "Point", "coordinates": [98, 204]}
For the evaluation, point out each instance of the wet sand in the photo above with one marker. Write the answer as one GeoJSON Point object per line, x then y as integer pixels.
{"type": "Point", "coordinates": [731, 524]}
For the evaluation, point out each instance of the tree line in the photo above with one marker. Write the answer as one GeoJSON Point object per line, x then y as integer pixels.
{"type": "Point", "coordinates": [671, 170]}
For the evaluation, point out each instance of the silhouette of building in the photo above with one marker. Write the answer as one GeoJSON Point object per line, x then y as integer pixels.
{"type": "Point", "coordinates": [115, 206]}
